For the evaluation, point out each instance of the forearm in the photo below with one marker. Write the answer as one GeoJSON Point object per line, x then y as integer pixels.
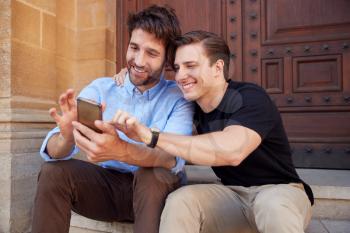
{"type": "Point", "coordinates": [143, 156]}
{"type": "Point", "coordinates": [57, 147]}
{"type": "Point", "coordinates": [212, 149]}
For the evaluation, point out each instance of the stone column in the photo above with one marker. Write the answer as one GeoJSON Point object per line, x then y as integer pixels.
{"type": "Point", "coordinates": [27, 89]}
{"type": "Point", "coordinates": [46, 47]}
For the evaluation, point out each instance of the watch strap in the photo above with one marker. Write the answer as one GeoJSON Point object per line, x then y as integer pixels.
{"type": "Point", "coordinates": [154, 139]}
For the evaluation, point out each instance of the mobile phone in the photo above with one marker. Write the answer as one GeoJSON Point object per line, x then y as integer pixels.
{"type": "Point", "coordinates": [88, 112]}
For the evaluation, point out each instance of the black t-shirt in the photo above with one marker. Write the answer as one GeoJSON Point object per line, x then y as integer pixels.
{"type": "Point", "coordinates": [248, 105]}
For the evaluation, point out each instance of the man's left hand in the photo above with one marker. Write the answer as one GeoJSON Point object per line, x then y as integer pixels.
{"type": "Point", "coordinates": [100, 147]}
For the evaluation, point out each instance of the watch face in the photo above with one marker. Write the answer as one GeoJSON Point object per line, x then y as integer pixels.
{"type": "Point", "coordinates": [154, 129]}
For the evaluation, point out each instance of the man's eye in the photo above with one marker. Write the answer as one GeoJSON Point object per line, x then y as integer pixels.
{"type": "Point", "coordinates": [152, 54]}
{"type": "Point", "coordinates": [133, 47]}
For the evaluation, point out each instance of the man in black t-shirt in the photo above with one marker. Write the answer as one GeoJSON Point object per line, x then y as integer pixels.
{"type": "Point", "coordinates": [241, 136]}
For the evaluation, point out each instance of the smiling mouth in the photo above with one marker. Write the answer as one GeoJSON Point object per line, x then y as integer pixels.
{"type": "Point", "coordinates": [138, 70]}
{"type": "Point", "coordinates": [187, 85]}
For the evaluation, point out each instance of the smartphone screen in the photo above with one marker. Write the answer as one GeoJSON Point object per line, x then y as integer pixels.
{"type": "Point", "coordinates": [88, 112]}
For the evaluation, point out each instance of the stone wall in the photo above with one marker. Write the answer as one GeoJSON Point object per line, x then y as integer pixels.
{"type": "Point", "coordinates": [46, 46]}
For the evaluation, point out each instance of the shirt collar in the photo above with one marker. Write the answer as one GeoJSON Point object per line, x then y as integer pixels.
{"type": "Point", "coordinates": [150, 93]}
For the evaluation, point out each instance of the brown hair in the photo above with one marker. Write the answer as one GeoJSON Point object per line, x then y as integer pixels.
{"type": "Point", "coordinates": [214, 46]}
{"type": "Point", "coordinates": [160, 21]}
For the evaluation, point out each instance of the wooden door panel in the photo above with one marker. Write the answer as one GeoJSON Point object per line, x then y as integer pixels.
{"type": "Point", "coordinates": [321, 155]}
{"type": "Point", "coordinates": [195, 14]}
{"type": "Point", "coordinates": [314, 74]}
{"type": "Point", "coordinates": [316, 127]}
{"type": "Point", "coordinates": [285, 21]}
{"type": "Point", "coordinates": [272, 75]}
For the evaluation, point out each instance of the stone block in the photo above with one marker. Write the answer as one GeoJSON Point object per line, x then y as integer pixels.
{"type": "Point", "coordinates": [82, 224]}
{"type": "Point", "coordinates": [47, 5]}
{"type": "Point", "coordinates": [315, 226]}
{"type": "Point", "coordinates": [5, 68]}
{"type": "Point", "coordinates": [49, 32]}
{"type": "Point", "coordinates": [66, 13]}
{"type": "Point", "coordinates": [110, 45]}
{"type": "Point", "coordinates": [81, 230]}
{"type": "Point", "coordinates": [5, 204]}
{"type": "Point", "coordinates": [5, 182]}
{"type": "Point", "coordinates": [111, 13]}
{"type": "Point", "coordinates": [5, 19]}
{"type": "Point", "coordinates": [91, 44]}
{"type": "Point", "coordinates": [89, 70]}
{"type": "Point", "coordinates": [5, 144]}
{"type": "Point", "coordinates": [5, 166]}
{"type": "Point", "coordinates": [32, 106]}
{"type": "Point", "coordinates": [25, 23]}
{"type": "Point", "coordinates": [33, 71]}
{"type": "Point", "coordinates": [65, 70]}
{"type": "Point", "coordinates": [5, 48]}
{"type": "Point", "coordinates": [22, 197]}
{"type": "Point", "coordinates": [91, 13]}
{"type": "Point", "coordinates": [338, 226]}
{"type": "Point", "coordinates": [110, 68]}
{"type": "Point", "coordinates": [82, 44]}
{"type": "Point", "coordinates": [334, 209]}
{"type": "Point", "coordinates": [66, 41]}
{"type": "Point", "coordinates": [26, 165]}
{"type": "Point", "coordinates": [25, 145]}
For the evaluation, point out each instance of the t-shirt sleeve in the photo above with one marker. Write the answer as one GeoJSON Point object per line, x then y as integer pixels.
{"type": "Point", "coordinates": [256, 112]}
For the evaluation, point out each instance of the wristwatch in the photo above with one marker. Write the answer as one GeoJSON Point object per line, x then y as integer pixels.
{"type": "Point", "coordinates": [155, 135]}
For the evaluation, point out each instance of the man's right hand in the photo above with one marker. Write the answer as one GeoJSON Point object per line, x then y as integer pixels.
{"type": "Point", "coordinates": [68, 107]}
{"type": "Point", "coordinates": [119, 78]}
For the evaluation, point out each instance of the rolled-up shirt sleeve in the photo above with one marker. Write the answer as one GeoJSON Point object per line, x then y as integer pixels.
{"type": "Point", "coordinates": [180, 122]}
{"type": "Point", "coordinates": [89, 92]}
{"type": "Point", "coordinates": [43, 149]}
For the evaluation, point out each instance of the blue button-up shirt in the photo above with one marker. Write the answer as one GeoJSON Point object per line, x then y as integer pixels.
{"type": "Point", "coordinates": [162, 106]}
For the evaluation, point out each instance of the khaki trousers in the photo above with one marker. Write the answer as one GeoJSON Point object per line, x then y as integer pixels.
{"type": "Point", "coordinates": [215, 208]}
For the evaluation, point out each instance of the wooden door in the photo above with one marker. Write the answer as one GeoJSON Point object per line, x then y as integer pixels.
{"type": "Point", "coordinates": [298, 50]}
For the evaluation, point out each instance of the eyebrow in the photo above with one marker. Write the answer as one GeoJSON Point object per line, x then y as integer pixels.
{"type": "Point", "coordinates": [189, 62]}
{"type": "Point", "coordinates": [148, 48]}
{"type": "Point", "coordinates": [153, 51]}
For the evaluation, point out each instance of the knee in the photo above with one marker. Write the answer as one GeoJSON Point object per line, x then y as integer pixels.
{"type": "Point", "coordinates": [155, 180]}
{"type": "Point", "coordinates": [185, 198]}
{"type": "Point", "coordinates": [271, 215]}
{"type": "Point", "coordinates": [269, 208]}
{"type": "Point", "coordinates": [50, 170]}
{"type": "Point", "coordinates": [53, 175]}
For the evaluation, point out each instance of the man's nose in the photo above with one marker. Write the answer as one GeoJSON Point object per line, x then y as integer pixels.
{"type": "Point", "coordinates": [140, 59]}
{"type": "Point", "coordinates": [180, 74]}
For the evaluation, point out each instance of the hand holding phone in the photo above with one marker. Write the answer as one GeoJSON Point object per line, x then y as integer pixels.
{"type": "Point", "coordinates": [88, 112]}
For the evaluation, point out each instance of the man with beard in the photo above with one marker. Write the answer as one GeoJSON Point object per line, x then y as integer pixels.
{"type": "Point", "coordinates": [241, 136]}
{"type": "Point", "coordinates": [131, 181]}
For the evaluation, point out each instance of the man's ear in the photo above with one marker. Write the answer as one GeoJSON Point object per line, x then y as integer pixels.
{"type": "Point", "coordinates": [219, 67]}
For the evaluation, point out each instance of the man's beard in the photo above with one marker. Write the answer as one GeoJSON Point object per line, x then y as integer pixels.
{"type": "Point", "coordinates": [150, 79]}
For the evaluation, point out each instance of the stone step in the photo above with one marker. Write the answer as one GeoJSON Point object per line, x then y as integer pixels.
{"type": "Point", "coordinates": [331, 212]}
{"type": "Point", "coordinates": [80, 224]}
{"type": "Point", "coordinates": [331, 189]}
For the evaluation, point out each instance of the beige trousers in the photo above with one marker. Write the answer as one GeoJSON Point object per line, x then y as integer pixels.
{"type": "Point", "coordinates": [215, 208]}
